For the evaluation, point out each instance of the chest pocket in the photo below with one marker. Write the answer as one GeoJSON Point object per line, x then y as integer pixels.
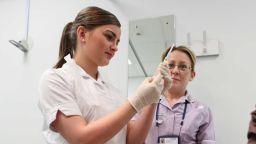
{"type": "Point", "coordinates": [191, 125]}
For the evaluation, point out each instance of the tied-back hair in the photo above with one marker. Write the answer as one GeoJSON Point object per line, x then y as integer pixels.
{"type": "Point", "coordinates": [185, 50]}
{"type": "Point", "coordinates": [90, 18]}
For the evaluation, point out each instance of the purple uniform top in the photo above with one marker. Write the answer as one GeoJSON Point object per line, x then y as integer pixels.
{"type": "Point", "coordinates": [197, 126]}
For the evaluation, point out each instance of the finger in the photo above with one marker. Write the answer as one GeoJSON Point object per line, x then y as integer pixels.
{"type": "Point", "coordinates": [158, 70]}
{"type": "Point", "coordinates": [150, 79]}
{"type": "Point", "coordinates": [165, 67]}
{"type": "Point", "coordinates": [165, 62]}
{"type": "Point", "coordinates": [157, 79]}
{"type": "Point", "coordinates": [162, 82]}
{"type": "Point", "coordinates": [165, 73]}
{"type": "Point", "coordinates": [159, 67]}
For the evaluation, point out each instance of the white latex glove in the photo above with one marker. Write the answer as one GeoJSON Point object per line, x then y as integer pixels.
{"type": "Point", "coordinates": [163, 69]}
{"type": "Point", "coordinates": [147, 93]}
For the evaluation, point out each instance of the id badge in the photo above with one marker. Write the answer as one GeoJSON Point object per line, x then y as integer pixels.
{"type": "Point", "coordinates": [168, 140]}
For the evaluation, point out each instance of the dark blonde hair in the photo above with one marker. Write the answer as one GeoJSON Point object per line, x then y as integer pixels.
{"type": "Point", "coordinates": [90, 18]}
{"type": "Point", "coordinates": [185, 50]}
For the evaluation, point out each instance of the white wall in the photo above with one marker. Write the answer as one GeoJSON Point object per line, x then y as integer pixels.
{"type": "Point", "coordinates": [21, 121]}
{"type": "Point", "coordinates": [227, 82]}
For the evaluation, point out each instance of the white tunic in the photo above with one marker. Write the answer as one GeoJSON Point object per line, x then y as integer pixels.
{"type": "Point", "coordinates": [73, 92]}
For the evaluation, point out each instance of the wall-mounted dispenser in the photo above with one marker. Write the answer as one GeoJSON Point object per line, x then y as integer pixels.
{"type": "Point", "coordinates": [24, 44]}
{"type": "Point", "coordinates": [203, 47]}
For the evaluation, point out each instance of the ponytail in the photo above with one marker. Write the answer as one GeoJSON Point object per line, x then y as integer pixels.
{"type": "Point", "coordinates": [67, 44]}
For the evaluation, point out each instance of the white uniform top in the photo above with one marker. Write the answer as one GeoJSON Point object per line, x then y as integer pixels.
{"type": "Point", "coordinates": [73, 92]}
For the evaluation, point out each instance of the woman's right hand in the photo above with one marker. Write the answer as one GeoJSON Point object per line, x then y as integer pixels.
{"type": "Point", "coordinates": [148, 92]}
{"type": "Point", "coordinates": [164, 70]}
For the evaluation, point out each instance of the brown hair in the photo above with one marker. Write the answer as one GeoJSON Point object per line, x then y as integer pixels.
{"type": "Point", "coordinates": [253, 114]}
{"type": "Point", "coordinates": [185, 50]}
{"type": "Point", "coordinates": [251, 134]}
{"type": "Point", "coordinates": [90, 18]}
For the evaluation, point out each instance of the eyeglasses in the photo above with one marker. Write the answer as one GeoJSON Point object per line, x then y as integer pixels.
{"type": "Point", "coordinates": [181, 67]}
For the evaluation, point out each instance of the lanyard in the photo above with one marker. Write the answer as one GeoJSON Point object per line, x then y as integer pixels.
{"type": "Point", "coordinates": [183, 115]}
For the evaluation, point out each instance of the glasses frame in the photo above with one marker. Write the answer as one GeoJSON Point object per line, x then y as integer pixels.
{"type": "Point", "coordinates": [180, 67]}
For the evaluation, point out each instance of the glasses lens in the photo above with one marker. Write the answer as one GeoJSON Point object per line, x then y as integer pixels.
{"type": "Point", "coordinates": [171, 66]}
{"type": "Point", "coordinates": [182, 67]}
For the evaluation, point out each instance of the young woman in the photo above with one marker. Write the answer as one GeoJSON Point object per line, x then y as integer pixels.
{"type": "Point", "coordinates": [78, 105]}
{"type": "Point", "coordinates": [179, 118]}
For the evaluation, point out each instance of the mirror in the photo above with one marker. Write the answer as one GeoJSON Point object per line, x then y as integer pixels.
{"type": "Point", "coordinates": [148, 38]}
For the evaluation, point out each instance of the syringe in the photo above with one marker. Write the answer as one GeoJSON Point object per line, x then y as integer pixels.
{"type": "Point", "coordinates": [168, 56]}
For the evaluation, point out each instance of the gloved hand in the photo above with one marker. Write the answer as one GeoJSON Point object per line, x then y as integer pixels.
{"type": "Point", "coordinates": [147, 93]}
{"type": "Point", "coordinates": [163, 69]}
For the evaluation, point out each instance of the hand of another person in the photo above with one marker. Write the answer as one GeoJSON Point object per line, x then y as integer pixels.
{"type": "Point", "coordinates": [163, 69]}
{"type": "Point", "coordinates": [148, 92]}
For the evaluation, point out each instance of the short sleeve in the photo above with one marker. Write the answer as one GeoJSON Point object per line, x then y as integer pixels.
{"type": "Point", "coordinates": [56, 93]}
{"type": "Point", "coordinates": [206, 134]}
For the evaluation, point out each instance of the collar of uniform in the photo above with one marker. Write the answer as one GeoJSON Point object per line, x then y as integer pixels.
{"type": "Point", "coordinates": [81, 71]}
{"type": "Point", "coordinates": [189, 98]}
{"type": "Point", "coordinates": [182, 99]}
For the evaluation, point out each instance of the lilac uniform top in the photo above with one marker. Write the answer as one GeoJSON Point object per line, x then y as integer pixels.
{"type": "Point", "coordinates": [197, 126]}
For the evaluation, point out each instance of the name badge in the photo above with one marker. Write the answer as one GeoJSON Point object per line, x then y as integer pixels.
{"type": "Point", "coordinates": [168, 140]}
